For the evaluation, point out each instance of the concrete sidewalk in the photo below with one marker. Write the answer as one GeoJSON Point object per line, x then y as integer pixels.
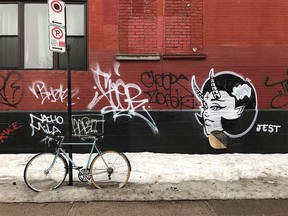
{"type": "Point", "coordinates": [193, 190]}
{"type": "Point", "coordinates": [158, 177]}
{"type": "Point", "coordinates": [156, 208]}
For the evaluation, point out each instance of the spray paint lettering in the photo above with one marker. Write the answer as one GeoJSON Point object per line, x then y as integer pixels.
{"type": "Point", "coordinates": [281, 100]}
{"type": "Point", "coordinates": [123, 98]}
{"type": "Point", "coordinates": [8, 131]}
{"type": "Point", "coordinates": [52, 141]}
{"type": "Point", "coordinates": [11, 90]}
{"type": "Point", "coordinates": [41, 91]}
{"type": "Point", "coordinates": [46, 123]}
{"type": "Point", "coordinates": [85, 124]}
{"type": "Point", "coordinates": [168, 89]}
{"type": "Point", "coordinates": [268, 128]}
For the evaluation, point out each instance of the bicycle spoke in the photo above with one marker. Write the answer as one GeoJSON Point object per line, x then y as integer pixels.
{"type": "Point", "coordinates": [116, 174]}
{"type": "Point", "coordinates": [47, 171]}
{"type": "Point", "coordinates": [43, 172]}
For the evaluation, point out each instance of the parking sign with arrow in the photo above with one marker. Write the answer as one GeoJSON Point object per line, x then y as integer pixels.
{"type": "Point", "coordinates": [56, 12]}
{"type": "Point", "coordinates": [57, 39]}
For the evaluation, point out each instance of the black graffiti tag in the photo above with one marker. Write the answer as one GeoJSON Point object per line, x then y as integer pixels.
{"type": "Point", "coordinates": [168, 89]}
{"type": "Point", "coordinates": [11, 90]}
{"type": "Point", "coordinates": [281, 100]}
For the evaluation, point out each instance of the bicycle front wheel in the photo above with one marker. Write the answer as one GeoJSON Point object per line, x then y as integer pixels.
{"type": "Point", "coordinates": [45, 172]}
{"type": "Point", "coordinates": [110, 169]}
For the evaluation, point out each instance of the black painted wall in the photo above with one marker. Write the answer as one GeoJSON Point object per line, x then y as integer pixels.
{"type": "Point", "coordinates": [179, 132]}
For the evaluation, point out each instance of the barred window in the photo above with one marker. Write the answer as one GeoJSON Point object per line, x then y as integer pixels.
{"type": "Point", "coordinates": [171, 28]}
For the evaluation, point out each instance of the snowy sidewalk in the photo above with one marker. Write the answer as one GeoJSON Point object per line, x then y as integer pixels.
{"type": "Point", "coordinates": [164, 177]}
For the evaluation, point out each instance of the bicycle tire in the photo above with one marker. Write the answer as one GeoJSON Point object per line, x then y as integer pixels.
{"type": "Point", "coordinates": [114, 172]}
{"type": "Point", "coordinates": [38, 178]}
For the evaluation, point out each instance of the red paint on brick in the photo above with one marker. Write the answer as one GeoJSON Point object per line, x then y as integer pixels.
{"type": "Point", "coordinates": [247, 37]}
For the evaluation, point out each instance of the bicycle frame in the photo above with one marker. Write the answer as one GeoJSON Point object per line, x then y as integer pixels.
{"type": "Point", "coordinates": [108, 168]}
{"type": "Point", "coordinates": [59, 150]}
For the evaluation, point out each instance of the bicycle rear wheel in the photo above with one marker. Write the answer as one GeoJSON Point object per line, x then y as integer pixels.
{"type": "Point", "coordinates": [40, 174]}
{"type": "Point", "coordinates": [110, 169]}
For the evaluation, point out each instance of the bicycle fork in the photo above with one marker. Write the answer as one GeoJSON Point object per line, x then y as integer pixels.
{"type": "Point", "coordinates": [109, 170]}
{"type": "Point", "coordinates": [46, 172]}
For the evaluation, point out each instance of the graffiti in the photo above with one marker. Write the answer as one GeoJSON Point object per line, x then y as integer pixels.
{"type": "Point", "coordinates": [167, 89]}
{"type": "Point", "coordinates": [11, 90]}
{"type": "Point", "coordinates": [8, 131]}
{"type": "Point", "coordinates": [41, 91]}
{"type": "Point", "coordinates": [46, 123]}
{"type": "Point", "coordinates": [281, 100]}
{"type": "Point", "coordinates": [85, 124]}
{"type": "Point", "coordinates": [123, 98]}
{"type": "Point", "coordinates": [52, 141]}
{"type": "Point", "coordinates": [268, 128]}
{"type": "Point", "coordinates": [224, 97]}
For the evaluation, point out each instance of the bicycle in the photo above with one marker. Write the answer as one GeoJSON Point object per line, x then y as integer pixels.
{"type": "Point", "coordinates": [47, 171]}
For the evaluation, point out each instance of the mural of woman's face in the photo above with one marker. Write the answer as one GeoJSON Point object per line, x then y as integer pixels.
{"type": "Point", "coordinates": [224, 98]}
{"type": "Point", "coordinates": [214, 109]}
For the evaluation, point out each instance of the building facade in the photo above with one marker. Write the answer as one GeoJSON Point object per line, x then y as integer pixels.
{"type": "Point", "coordinates": [187, 76]}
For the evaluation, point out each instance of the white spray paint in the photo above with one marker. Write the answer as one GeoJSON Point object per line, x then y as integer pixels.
{"type": "Point", "coordinates": [43, 92]}
{"type": "Point", "coordinates": [123, 98]}
{"type": "Point", "coordinates": [46, 123]}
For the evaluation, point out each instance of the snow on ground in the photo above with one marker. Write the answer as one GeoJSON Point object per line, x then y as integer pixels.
{"type": "Point", "coordinates": [163, 177]}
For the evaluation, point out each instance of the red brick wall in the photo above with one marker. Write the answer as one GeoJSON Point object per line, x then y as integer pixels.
{"type": "Point", "coordinates": [247, 37]}
{"type": "Point", "coordinates": [143, 27]}
{"type": "Point", "coordinates": [137, 26]}
{"type": "Point", "coordinates": [178, 26]}
{"type": "Point", "coordinates": [244, 23]}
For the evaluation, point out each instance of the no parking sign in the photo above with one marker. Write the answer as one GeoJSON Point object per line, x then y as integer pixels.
{"type": "Point", "coordinates": [57, 39]}
{"type": "Point", "coordinates": [57, 34]}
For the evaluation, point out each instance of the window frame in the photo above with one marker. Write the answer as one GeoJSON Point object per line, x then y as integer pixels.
{"type": "Point", "coordinates": [55, 57]}
{"type": "Point", "coordinates": [14, 36]}
{"type": "Point", "coordinates": [56, 60]}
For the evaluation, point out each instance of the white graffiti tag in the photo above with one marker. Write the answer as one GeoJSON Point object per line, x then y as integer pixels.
{"type": "Point", "coordinates": [85, 124]}
{"type": "Point", "coordinates": [41, 91]}
{"type": "Point", "coordinates": [46, 123]}
{"type": "Point", "coordinates": [268, 128]}
{"type": "Point", "coordinates": [122, 97]}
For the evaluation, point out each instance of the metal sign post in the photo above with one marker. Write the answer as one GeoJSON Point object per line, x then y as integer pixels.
{"type": "Point", "coordinates": [69, 113]}
{"type": "Point", "coordinates": [57, 43]}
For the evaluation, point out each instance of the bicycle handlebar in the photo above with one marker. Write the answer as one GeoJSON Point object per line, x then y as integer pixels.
{"type": "Point", "coordinates": [55, 141]}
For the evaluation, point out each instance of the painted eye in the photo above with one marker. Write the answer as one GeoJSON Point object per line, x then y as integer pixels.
{"type": "Point", "coordinates": [216, 107]}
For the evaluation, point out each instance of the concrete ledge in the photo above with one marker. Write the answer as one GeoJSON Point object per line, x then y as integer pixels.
{"type": "Point", "coordinates": [157, 57]}
{"type": "Point", "coordinates": [185, 56]}
{"type": "Point", "coordinates": [138, 57]}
